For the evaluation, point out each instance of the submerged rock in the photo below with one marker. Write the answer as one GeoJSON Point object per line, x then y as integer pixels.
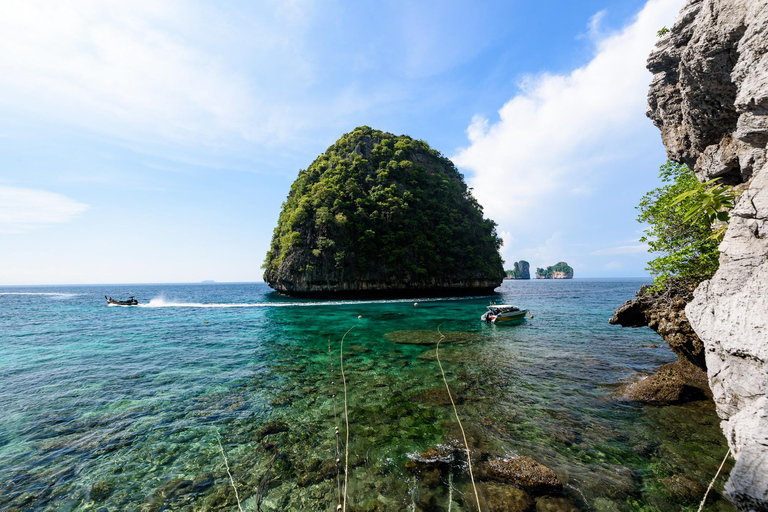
{"type": "Point", "coordinates": [553, 504]}
{"type": "Point", "coordinates": [382, 215]}
{"type": "Point", "coordinates": [684, 488]}
{"type": "Point", "coordinates": [672, 383]}
{"type": "Point", "coordinates": [496, 497]}
{"type": "Point", "coordinates": [273, 427]}
{"type": "Point", "coordinates": [440, 457]}
{"type": "Point", "coordinates": [709, 98]}
{"type": "Point", "coordinates": [406, 337]}
{"type": "Point", "coordinates": [523, 472]}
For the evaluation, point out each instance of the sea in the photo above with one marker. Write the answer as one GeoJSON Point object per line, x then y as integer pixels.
{"type": "Point", "coordinates": [231, 396]}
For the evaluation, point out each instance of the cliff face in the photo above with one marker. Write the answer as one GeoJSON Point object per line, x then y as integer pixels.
{"type": "Point", "coordinates": [685, 379]}
{"type": "Point", "coordinates": [522, 270]}
{"type": "Point", "coordinates": [382, 215]}
{"type": "Point", "coordinates": [560, 270]}
{"type": "Point", "coordinates": [709, 97]}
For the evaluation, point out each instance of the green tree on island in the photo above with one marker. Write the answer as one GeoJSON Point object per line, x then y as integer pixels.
{"type": "Point", "coordinates": [377, 207]}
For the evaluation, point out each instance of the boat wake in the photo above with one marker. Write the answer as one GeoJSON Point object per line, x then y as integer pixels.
{"type": "Point", "coordinates": [159, 302]}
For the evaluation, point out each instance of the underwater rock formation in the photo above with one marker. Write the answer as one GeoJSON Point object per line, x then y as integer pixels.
{"type": "Point", "coordinates": [709, 98]}
{"type": "Point", "coordinates": [382, 215]}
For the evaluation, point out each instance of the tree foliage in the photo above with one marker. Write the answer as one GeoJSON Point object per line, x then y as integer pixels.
{"type": "Point", "coordinates": [548, 273]}
{"type": "Point", "coordinates": [376, 204]}
{"type": "Point", "coordinates": [681, 217]}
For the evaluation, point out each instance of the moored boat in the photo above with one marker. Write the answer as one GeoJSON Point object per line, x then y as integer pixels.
{"type": "Point", "coordinates": [130, 302]}
{"type": "Point", "coordinates": [504, 314]}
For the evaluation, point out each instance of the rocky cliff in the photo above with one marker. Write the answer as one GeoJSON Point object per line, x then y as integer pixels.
{"type": "Point", "coordinates": [685, 379]}
{"type": "Point", "coordinates": [560, 270]}
{"type": "Point", "coordinates": [521, 270]}
{"type": "Point", "coordinates": [709, 98]}
{"type": "Point", "coordinates": [382, 215]}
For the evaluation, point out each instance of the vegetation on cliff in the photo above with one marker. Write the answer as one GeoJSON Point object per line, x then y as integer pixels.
{"type": "Point", "coordinates": [376, 207]}
{"type": "Point", "coordinates": [521, 270]}
{"type": "Point", "coordinates": [682, 217]}
{"type": "Point", "coordinates": [560, 270]}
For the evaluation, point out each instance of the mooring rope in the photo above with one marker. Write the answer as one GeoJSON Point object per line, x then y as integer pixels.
{"type": "Point", "coordinates": [226, 463]}
{"type": "Point", "coordinates": [456, 412]}
{"type": "Point", "coordinates": [701, 505]}
{"type": "Point", "coordinates": [337, 455]}
{"type": "Point", "coordinates": [346, 416]}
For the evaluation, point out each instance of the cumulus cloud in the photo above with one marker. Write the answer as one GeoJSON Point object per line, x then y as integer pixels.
{"type": "Point", "coordinates": [22, 209]}
{"type": "Point", "coordinates": [558, 127]}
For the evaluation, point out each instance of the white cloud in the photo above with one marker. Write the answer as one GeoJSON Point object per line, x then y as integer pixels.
{"type": "Point", "coordinates": [558, 127]}
{"type": "Point", "coordinates": [25, 208]}
{"type": "Point", "coordinates": [624, 249]}
{"type": "Point", "coordinates": [145, 70]}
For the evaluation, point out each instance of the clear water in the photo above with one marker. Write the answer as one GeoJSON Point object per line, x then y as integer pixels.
{"type": "Point", "coordinates": [120, 408]}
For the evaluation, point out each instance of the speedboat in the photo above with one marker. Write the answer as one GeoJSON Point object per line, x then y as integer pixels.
{"type": "Point", "coordinates": [504, 314]}
{"type": "Point", "coordinates": [130, 302]}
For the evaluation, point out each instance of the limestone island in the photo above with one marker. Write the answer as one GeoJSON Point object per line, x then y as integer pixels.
{"type": "Point", "coordinates": [560, 270]}
{"type": "Point", "coordinates": [381, 215]}
{"type": "Point", "coordinates": [521, 270]}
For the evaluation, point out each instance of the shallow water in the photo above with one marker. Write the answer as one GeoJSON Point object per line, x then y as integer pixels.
{"type": "Point", "coordinates": [121, 408]}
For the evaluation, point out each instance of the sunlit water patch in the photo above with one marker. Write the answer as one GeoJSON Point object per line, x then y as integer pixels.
{"type": "Point", "coordinates": [123, 408]}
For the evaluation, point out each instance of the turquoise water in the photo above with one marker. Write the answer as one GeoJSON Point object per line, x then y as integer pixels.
{"type": "Point", "coordinates": [122, 408]}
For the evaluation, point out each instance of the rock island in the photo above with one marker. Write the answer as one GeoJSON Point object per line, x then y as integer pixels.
{"type": "Point", "coordinates": [382, 215]}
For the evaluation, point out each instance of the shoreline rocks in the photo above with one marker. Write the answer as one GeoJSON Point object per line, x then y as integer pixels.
{"type": "Point", "coordinates": [684, 380]}
{"type": "Point", "coordinates": [709, 98]}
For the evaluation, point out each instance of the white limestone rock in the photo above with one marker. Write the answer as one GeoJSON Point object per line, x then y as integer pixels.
{"type": "Point", "coordinates": [709, 97]}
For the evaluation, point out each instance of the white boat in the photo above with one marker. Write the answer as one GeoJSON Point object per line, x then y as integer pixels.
{"type": "Point", "coordinates": [504, 314]}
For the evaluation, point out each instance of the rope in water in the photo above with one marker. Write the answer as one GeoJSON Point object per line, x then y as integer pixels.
{"type": "Point", "coordinates": [336, 428]}
{"type": "Point", "coordinates": [456, 412]}
{"type": "Point", "coordinates": [346, 415]}
{"type": "Point", "coordinates": [713, 480]}
{"type": "Point", "coordinates": [226, 463]}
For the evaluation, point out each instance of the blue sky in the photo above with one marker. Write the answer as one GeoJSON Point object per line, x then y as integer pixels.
{"type": "Point", "coordinates": [153, 141]}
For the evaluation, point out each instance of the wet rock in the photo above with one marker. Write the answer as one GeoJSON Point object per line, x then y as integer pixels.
{"type": "Point", "coordinates": [273, 427]}
{"type": "Point", "coordinates": [665, 314]}
{"type": "Point", "coordinates": [672, 383]}
{"type": "Point", "coordinates": [496, 497]}
{"type": "Point", "coordinates": [440, 457]}
{"type": "Point", "coordinates": [523, 472]}
{"type": "Point", "coordinates": [551, 504]}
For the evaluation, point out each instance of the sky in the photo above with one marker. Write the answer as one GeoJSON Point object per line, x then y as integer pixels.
{"type": "Point", "coordinates": [154, 142]}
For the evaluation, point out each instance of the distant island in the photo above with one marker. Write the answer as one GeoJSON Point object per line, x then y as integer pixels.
{"type": "Point", "coordinates": [521, 270]}
{"type": "Point", "coordinates": [207, 281]}
{"type": "Point", "coordinates": [560, 270]}
{"type": "Point", "coordinates": [379, 214]}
